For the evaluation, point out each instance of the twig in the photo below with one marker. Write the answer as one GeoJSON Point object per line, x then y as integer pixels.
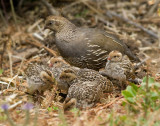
{"type": "Point", "coordinates": [92, 8]}
{"type": "Point", "coordinates": [28, 54]}
{"type": "Point", "coordinates": [34, 25]}
{"type": "Point", "coordinates": [20, 5]}
{"type": "Point", "coordinates": [107, 105]}
{"type": "Point", "coordinates": [4, 48]}
{"type": "Point", "coordinates": [50, 8]}
{"type": "Point", "coordinates": [150, 12]}
{"type": "Point", "coordinates": [12, 80]}
{"type": "Point", "coordinates": [109, 13]}
{"type": "Point", "coordinates": [3, 19]}
{"type": "Point", "coordinates": [14, 105]}
{"type": "Point", "coordinates": [159, 39]}
{"type": "Point", "coordinates": [69, 6]}
{"type": "Point", "coordinates": [13, 12]}
{"type": "Point", "coordinates": [4, 9]}
{"type": "Point", "coordinates": [141, 63]}
{"type": "Point", "coordinates": [10, 63]}
{"type": "Point", "coordinates": [40, 45]}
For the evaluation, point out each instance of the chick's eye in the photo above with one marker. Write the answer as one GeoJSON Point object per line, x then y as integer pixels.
{"type": "Point", "coordinates": [115, 56]}
{"type": "Point", "coordinates": [50, 23]}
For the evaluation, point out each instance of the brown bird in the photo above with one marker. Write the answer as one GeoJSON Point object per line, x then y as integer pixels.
{"type": "Point", "coordinates": [85, 87]}
{"type": "Point", "coordinates": [85, 94]}
{"type": "Point", "coordinates": [39, 78]}
{"type": "Point", "coordinates": [118, 67]}
{"type": "Point", "coordinates": [84, 47]}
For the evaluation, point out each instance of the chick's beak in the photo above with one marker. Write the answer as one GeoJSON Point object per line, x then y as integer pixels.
{"type": "Point", "coordinates": [109, 58]}
{"type": "Point", "coordinates": [108, 61]}
{"type": "Point", "coordinates": [45, 27]}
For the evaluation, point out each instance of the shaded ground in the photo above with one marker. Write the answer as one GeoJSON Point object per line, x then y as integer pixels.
{"type": "Point", "coordinates": [22, 40]}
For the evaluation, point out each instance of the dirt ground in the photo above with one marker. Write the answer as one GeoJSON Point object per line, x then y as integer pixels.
{"type": "Point", "coordinates": [23, 40]}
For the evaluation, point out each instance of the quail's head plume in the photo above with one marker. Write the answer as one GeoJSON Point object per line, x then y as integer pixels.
{"type": "Point", "coordinates": [84, 47]}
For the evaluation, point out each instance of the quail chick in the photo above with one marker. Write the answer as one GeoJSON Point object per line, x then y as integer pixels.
{"type": "Point", "coordinates": [57, 65]}
{"type": "Point", "coordinates": [86, 94]}
{"type": "Point", "coordinates": [84, 47]}
{"type": "Point", "coordinates": [73, 75]}
{"type": "Point", "coordinates": [118, 67]}
{"type": "Point", "coordinates": [85, 87]}
{"type": "Point", "coordinates": [39, 78]}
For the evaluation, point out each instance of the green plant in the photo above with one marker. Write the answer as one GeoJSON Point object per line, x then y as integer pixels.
{"type": "Point", "coordinates": [53, 108]}
{"type": "Point", "coordinates": [76, 112]}
{"type": "Point", "coordinates": [144, 98]}
{"type": "Point", "coordinates": [1, 71]}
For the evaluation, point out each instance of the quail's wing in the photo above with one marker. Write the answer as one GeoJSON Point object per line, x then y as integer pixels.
{"type": "Point", "coordinates": [127, 66]}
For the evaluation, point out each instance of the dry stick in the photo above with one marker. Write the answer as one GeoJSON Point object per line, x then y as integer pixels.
{"type": "Point", "coordinates": [159, 39]}
{"type": "Point", "coordinates": [38, 44]}
{"type": "Point", "coordinates": [3, 18]}
{"type": "Point", "coordinates": [109, 13]}
{"type": "Point", "coordinates": [92, 8]}
{"type": "Point", "coordinates": [4, 10]}
{"type": "Point", "coordinates": [13, 13]}
{"type": "Point", "coordinates": [4, 48]}
{"type": "Point", "coordinates": [69, 6]}
{"type": "Point", "coordinates": [50, 8]}
{"type": "Point", "coordinates": [10, 63]}
{"type": "Point", "coordinates": [153, 8]}
{"type": "Point", "coordinates": [107, 105]}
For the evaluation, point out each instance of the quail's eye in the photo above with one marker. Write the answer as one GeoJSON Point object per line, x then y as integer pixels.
{"type": "Point", "coordinates": [50, 23]}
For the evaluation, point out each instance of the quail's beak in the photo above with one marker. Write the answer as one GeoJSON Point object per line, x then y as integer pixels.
{"type": "Point", "coordinates": [45, 27]}
{"type": "Point", "coordinates": [108, 61]}
{"type": "Point", "coordinates": [50, 64]}
{"type": "Point", "coordinates": [109, 58]}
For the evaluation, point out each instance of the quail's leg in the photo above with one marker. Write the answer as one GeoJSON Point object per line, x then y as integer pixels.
{"type": "Point", "coordinates": [69, 103]}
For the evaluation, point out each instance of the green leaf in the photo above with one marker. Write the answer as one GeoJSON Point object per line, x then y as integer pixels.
{"type": "Point", "coordinates": [1, 71]}
{"type": "Point", "coordinates": [151, 81]}
{"type": "Point", "coordinates": [157, 84]}
{"type": "Point", "coordinates": [123, 103]}
{"type": "Point", "coordinates": [55, 108]}
{"type": "Point", "coordinates": [130, 99]}
{"type": "Point", "coordinates": [134, 87]}
{"type": "Point", "coordinates": [154, 95]}
{"type": "Point", "coordinates": [131, 90]}
{"type": "Point", "coordinates": [49, 109]}
{"type": "Point", "coordinates": [126, 94]}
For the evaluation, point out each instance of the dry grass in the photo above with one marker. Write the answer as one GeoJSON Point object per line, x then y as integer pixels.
{"type": "Point", "coordinates": [16, 45]}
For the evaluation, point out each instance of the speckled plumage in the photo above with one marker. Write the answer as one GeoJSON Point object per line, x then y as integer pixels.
{"type": "Point", "coordinates": [86, 86]}
{"type": "Point", "coordinates": [84, 47]}
{"type": "Point", "coordinates": [39, 78]}
{"type": "Point", "coordinates": [118, 67]}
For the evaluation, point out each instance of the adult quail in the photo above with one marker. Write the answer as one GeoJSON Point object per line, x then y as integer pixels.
{"type": "Point", "coordinates": [39, 78]}
{"type": "Point", "coordinates": [84, 47]}
{"type": "Point", "coordinates": [118, 67]}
